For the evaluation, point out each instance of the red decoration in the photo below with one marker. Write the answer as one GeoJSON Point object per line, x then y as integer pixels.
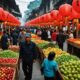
{"type": "Point", "coordinates": [1, 14]}
{"type": "Point", "coordinates": [76, 5]}
{"type": "Point", "coordinates": [54, 14]}
{"type": "Point", "coordinates": [65, 10]}
{"type": "Point", "coordinates": [75, 15]}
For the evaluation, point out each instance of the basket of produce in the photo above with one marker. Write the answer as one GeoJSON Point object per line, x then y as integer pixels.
{"type": "Point", "coordinates": [8, 61]}
{"type": "Point", "coordinates": [7, 73]}
{"type": "Point", "coordinates": [69, 66]}
{"type": "Point", "coordinates": [9, 58]}
{"type": "Point", "coordinates": [65, 58]}
{"type": "Point", "coordinates": [50, 49]}
{"type": "Point", "coordinates": [8, 54]}
{"type": "Point", "coordinates": [70, 70]}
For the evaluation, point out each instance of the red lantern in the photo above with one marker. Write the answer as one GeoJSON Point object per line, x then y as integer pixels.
{"type": "Point", "coordinates": [60, 17]}
{"type": "Point", "coordinates": [76, 5]}
{"type": "Point", "coordinates": [1, 14]}
{"type": "Point", "coordinates": [54, 14]}
{"type": "Point", "coordinates": [6, 14]}
{"type": "Point", "coordinates": [65, 10]}
{"type": "Point", "coordinates": [75, 15]}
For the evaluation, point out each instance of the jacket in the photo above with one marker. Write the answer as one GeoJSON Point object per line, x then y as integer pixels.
{"type": "Point", "coordinates": [28, 52]}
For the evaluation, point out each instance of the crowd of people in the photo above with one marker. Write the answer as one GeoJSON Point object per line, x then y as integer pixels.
{"type": "Point", "coordinates": [28, 52]}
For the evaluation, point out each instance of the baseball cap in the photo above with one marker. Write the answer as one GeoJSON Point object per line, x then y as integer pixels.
{"type": "Point", "coordinates": [28, 35]}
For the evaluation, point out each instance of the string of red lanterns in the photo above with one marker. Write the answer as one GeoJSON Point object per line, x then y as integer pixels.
{"type": "Point", "coordinates": [8, 18]}
{"type": "Point", "coordinates": [59, 17]}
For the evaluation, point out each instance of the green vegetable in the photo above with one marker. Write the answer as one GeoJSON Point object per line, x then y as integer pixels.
{"type": "Point", "coordinates": [8, 54]}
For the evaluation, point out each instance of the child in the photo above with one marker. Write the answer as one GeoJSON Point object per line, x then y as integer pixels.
{"type": "Point", "coordinates": [49, 67]}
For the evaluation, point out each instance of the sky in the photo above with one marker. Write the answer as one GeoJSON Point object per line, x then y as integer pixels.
{"type": "Point", "coordinates": [23, 4]}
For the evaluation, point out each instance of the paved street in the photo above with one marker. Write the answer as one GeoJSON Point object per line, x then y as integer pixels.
{"type": "Point", "coordinates": [36, 72]}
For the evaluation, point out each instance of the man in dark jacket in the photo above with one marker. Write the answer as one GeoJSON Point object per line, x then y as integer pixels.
{"type": "Point", "coordinates": [28, 55]}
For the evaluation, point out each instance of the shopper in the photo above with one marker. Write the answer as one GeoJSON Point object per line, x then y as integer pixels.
{"type": "Point", "coordinates": [44, 35]}
{"type": "Point", "coordinates": [15, 37]}
{"type": "Point", "coordinates": [4, 41]}
{"type": "Point", "coordinates": [49, 35]}
{"type": "Point", "coordinates": [50, 67]}
{"type": "Point", "coordinates": [21, 36]}
{"type": "Point", "coordinates": [54, 36]}
{"type": "Point", "coordinates": [60, 39]}
{"type": "Point", "coordinates": [71, 35]}
{"type": "Point", "coordinates": [28, 54]}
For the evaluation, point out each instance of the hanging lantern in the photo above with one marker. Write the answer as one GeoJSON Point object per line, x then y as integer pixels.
{"type": "Point", "coordinates": [65, 10]}
{"type": "Point", "coordinates": [76, 5]}
{"type": "Point", "coordinates": [1, 14]}
{"type": "Point", "coordinates": [75, 15]}
{"type": "Point", "coordinates": [54, 14]}
{"type": "Point", "coordinates": [48, 17]}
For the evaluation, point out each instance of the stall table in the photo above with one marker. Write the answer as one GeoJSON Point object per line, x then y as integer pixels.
{"type": "Point", "coordinates": [74, 46]}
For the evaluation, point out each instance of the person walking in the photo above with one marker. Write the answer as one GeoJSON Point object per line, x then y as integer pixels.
{"type": "Point", "coordinates": [50, 68]}
{"type": "Point", "coordinates": [28, 55]}
{"type": "Point", "coordinates": [15, 38]}
{"type": "Point", "coordinates": [60, 39]}
{"type": "Point", "coordinates": [4, 41]}
{"type": "Point", "coordinates": [54, 36]}
{"type": "Point", "coordinates": [21, 36]}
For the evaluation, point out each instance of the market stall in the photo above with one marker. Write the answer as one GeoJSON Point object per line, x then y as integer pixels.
{"type": "Point", "coordinates": [9, 65]}
{"type": "Point", "coordinates": [74, 46]}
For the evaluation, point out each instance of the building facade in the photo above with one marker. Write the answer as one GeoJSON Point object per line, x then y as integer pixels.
{"type": "Point", "coordinates": [10, 5]}
{"type": "Point", "coordinates": [47, 6]}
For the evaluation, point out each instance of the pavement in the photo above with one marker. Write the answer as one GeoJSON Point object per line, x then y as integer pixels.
{"type": "Point", "coordinates": [36, 72]}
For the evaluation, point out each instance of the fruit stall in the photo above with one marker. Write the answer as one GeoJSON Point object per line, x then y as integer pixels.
{"type": "Point", "coordinates": [69, 64]}
{"type": "Point", "coordinates": [74, 46]}
{"type": "Point", "coordinates": [8, 65]}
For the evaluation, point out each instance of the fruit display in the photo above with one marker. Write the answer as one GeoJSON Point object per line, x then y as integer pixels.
{"type": "Point", "coordinates": [6, 73]}
{"type": "Point", "coordinates": [46, 45]}
{"type": "Point", "coordinates": [8, 54]}
{"type": "Point", "coordinates": [8, 61]}
{"type": "Point", "coordinates": [75, 41]}
{"type": "Point", "coordinates": [34, 36]}
{"type": "Point", "coordinates": [39, 41]}
{"type": "Point", "coordinates": [65, 58]}
{"type": "Point", "coordinates": [50, 49]}
{"type": "Point", "coordinates": [70, 70]}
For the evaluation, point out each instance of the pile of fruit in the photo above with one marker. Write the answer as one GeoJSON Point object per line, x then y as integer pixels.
{"type": "Point", "coordinates": [8, 54]}
{"type": "Point", "coordinates": [6, 73]}
{"type": "Point", "coordinates": [50, 49]}
{"type": "Point", "coordinates": [46, 45]}
{"type": "Point", "coordinates": [34, 36]}
{"type": "Point", "coordinates": [69, 66]}
{"type": "Point", "coordinates": [42, 45]}
{"type": "Point", "coordinates": [65, 58]}
{"type": "Point", "coordinates": [70, 70]}
{"type": "Point", "coordinates": [8, 61]}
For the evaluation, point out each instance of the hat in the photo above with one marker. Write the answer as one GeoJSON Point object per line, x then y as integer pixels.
{"type": "Point", "coordinates": [28, 35]}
